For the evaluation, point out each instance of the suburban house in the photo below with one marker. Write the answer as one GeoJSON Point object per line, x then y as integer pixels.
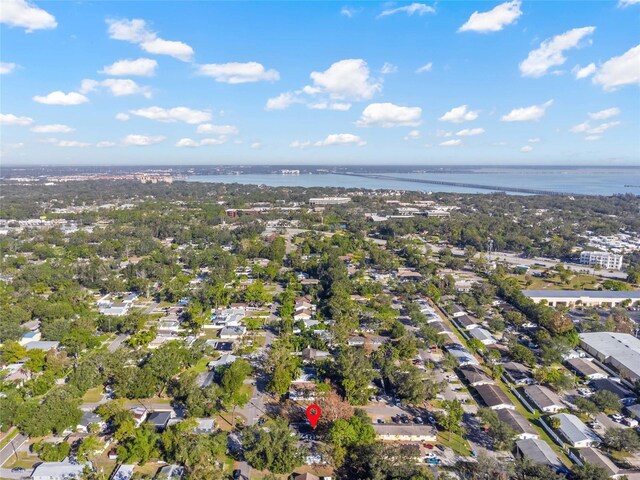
{"type": "Point", "coordinates": [517, 373]}
{"type": "Point", "coordinates": [575, 432]}
{"type": "Point", "coordinates": [596, 457]}
{"type": "Point", "coordinates": [391, 432]}
{"type": "Point", "coordinates": [468, 322]}
{"type": "Point", "coordinates": [544, 399]}
{"type": "Point", "coordinates": [57, 471]}
{"type": "Point", "coordinates": [30, 337]}
{"type": "Point", "coordinates": [483, 335]}
{"type": "Point", "coordinates": [170, 472]}
{"type": "Point", "coordinates": [311, 354]}
{"type": "Point", "coordinates": [89, 418]}
{"type": "Point", "coordinates": [159, 420]}
{"type": "Point", "coordinates": [494, 398]}
{"type": "Point", "coordinates": [232, 333]}
{"type": "Point", "coordinates": [518, 422]}
{"type": "Point", "coordinates": [123, 472]}
{"type": "Point", "coordinates": [626, 396]}
{"type": "Point", "coordinates": [475, 375]}
{"type": "Point", "coordinates": [586, 368]}
{"type": "Point", "coordinates": [462, 355]}
{"type": "Point", "coordinates": [539, 452]}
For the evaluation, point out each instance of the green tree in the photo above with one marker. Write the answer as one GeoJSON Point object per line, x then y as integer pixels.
{"type": "Point", "coordinates": [275, 449]}
{"type": "Point", "coordinates": [606, 401]}
{"type": "Point", "coordinates": [451, 420]}
{"type": "Point", "coordinates": [622, 439]}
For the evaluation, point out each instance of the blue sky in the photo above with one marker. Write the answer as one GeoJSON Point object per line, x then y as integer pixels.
{"type": "Point", "coordinates": [326, 83]}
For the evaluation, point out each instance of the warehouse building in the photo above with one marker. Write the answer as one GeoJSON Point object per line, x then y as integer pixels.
{"type": "Point", "coordinates": [620, 351]}
{"type": "Point", "coordinates": [587, 298]}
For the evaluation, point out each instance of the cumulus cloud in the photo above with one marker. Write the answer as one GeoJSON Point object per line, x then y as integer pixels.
{"type": "Point", "coordinates": [603, 127]}
{"type": "Point", "coordinates": [459, 114]}
{"type": "Point", "coordinates": [141, 140]}
{"type": "Point", "coordinates": [256, 146]}
{"type": "Point", "coordinates": [494, 20]}
{"type": "Point", "coordinates": [106, 144]}
{"type": "Point", "coordinates": [389, 115]}
{"type": "Point", "coordinates": [340, 139]}
{"type": "Point", "coordinates": [6, 68]}
{"type": "Point", "coordinates": [67, 143]}
{"type": "Point", "coordinates": [604, 114]}
{"type": "Point", "coordinates": [300, 144]}
{"type": "Point", "coordinates": [176, 114]}
{"type": "Point", "coordinates": [627, 3]}
{"type": "Point", "coordinates": [580, 128]}
{"type": "Point", "coordinates": [526, 149]}
{"type": "Point", "coordinates": [20, 13]}
{"type": "Point", "coordinates": [136, 31]}
{"type": "Point", "coordinates": [348, 11]}
{"type": "Point", "coordinates": [527, 114]}
{"type": "Point", "coordinates": [141, 67]}
{"type": "Point", "coordinates": [123, 117]}
{"type": "Point", "coordinates": [188, 142]}
{"type": "Point", "coordinates": [550, 52]}
{"type": "Point", "coordinates": [53, 128]}
{"type": "Point", "coordinates": [425, 68]}
{"type": "Point", "coordinates": [118, 87]}
{"type": "Point", "coordinates": [340, 106]}
{"type": "Point", "coordinates": [345, 80]}
{"type": "Point", "coordinates": [210, 129]}
{"type": "Point", "coordinates": [61, 98]}
{"type": "Point", "coordinates": [412, 135]}
{"type": "Point", "coordinates": [235, 72]}
{"type": "Point", "coordinates": [469, 132]}
{"type": "Point", "coordinates": [419, 8]}
{"type": "Point", "coordinates": [388, 68]}
{"type": "Point", "coordinates": [11, 119]}
{"type": "Point", "coordinates": [282, 101]}
{"type": "Point", "coordinates": [620, 71]}
{"type": "Point", "coordinates": [451, 143]}
{"type": "Point", "coordinates": [584, 72]}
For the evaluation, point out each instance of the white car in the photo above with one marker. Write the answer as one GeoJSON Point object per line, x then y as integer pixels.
{"type": "Point", "coordinates": [617, 417]}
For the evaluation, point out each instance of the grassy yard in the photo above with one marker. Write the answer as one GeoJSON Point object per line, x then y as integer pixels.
{"type": "Point", "coordinates": [8, 437]}
{"type": "Point", "coordinates": [201, 366]}
{"type": "Point", "coordinates": [93, 395]}
{"type": "Point", "coordinates": [577, 282]}
{"type": "Point", "coordinates": [455, 442]}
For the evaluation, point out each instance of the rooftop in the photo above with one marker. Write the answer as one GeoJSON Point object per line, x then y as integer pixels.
{"type": "Point", "coordinates": [516, 420]}
{"type": "Point", "coordinates": [576, 294]}
{"type": "Point", "coordinates": [622, 347]}
{"type": "Point", "coordinates": [574, 430]}
{"type": "Point", "coordinates": [542, 396]}
{"type": "Point", "coordinates": [539, 452]}
{"type": "Point", "coordinates": [492, 395]}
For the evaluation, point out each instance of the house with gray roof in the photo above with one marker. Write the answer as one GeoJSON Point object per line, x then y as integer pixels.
{"type": "Point", "coordinates": [518, 423]}
{"type": "Point", "coordinates": [538, 452]}
{"type": "Point", "coordinates": [586, 368]}
{"type": "Point", "coordinates": [575, 432]}
{"type": "Point", "coordinates": [494, 398]}
{"type": "Point", "coordinates": [544, 399]}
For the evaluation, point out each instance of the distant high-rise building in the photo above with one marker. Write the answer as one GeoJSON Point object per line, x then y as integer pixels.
{"type": "Point", "coordinates": [601, 259]}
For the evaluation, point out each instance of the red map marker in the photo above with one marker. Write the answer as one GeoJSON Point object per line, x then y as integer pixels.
{"type": "Point", "coordinates": [313, 414]}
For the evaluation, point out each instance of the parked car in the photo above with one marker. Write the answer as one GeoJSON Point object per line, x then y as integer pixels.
{"type": "Point", "coordinates": [380, 420]}
{"type": "Point", "coordinates": [617, 417]}
{"type": "Point", "coordinates": [433, 461]}
{"type": "Point", "coordinates": [440, 447]}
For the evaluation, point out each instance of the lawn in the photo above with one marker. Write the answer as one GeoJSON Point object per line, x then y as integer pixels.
{"type": "Point", "coordinates": [93, 395]}
{"type": "Point", "coordinates": [455, 442]}
{"type": "Point", "coordinates": [8, 437]}
{"type": "Point", "coordinates": [577, 282]}
{"type": "Point", "coordinates": [200, 366]}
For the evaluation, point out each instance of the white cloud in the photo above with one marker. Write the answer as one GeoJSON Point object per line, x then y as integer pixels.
{"type": "Point", "coordinates": [188, 142]}
{"type": "Point", "coordinates": [550, 52]}
{"type": "Point", "coordinates": [282, 101]}
{"type": "Point", "coordinates": [584, 72]}
{"type": "Point", "coordinates": [256, 146]}
{"type": "Point", "coordinates": [620, 71]}
{"type": "Point", "coordinates": [494, 20]}
{"type": "Point", "coordinates": [388, 68]}
{"type": "Point", "coordinates": [61, 98]}
{"type": "Point", "coordinates": [604, 114]}
{"type": "Point", "coordinates": [176, 114]}
{"type": "Point", "coordinates": [591, 138]}
{"type": "Point", "coordinates": [526, 149]}
{"type": "Point", "coordinates": [118, 87]}
{"type": "Point", "coordinates": [603, 127]}
{"type": "Point", "coordinates": [141, 67]}
{"type": "Point", "coordinates": [136, 31]}
{"type": "Point", "coordinates": [67, 143]}
{"type": "Point", "coordinates": [443, 133]}
{"type": "Point", "coordinates": [419, 8]}
{"type": "Point", "coordinates": [141, 140]}
{"type": "Point", "coordinates": [425, 68]}
{"type": "Point", "coordinates": [389, 115]}
{"type": "Point", "coordinates": [347, 79]}
{"type": "Point", "coordinates": [343, 107]}
{"type": "Point", "coordinates": [53, 128]}
{"type": "Point", "coordinates": [412, 135]}
{"type": "Point", "coordinates": [527, 114]}
{"type": "Point", "coordinates": [580, 128]}
{"type": "Point", "coordinates": [6, 68]}
{"type": "Point", "coordinates": [627, 3]}
{"type": "Point", "coordinates": [20, 13]}
{"type": "Point", "coordinates": [235, 72]}
{"type": "Point", "coordinates": [208, 128]}
{"type": "Point", "coordinates": [340, 139]}
{"type": "Point", "coordinates": [459, 114]}
{"type": "Point", "coordinates": [123, 117]}
{"type": "Point", "coordinates": [468, 132]}
{"type": "Point", "coordinates": [451, 143]}
{"type": "Point", "coordinates": [11, 119]}
{"type": "Point", "coordinates": [534, 140]}
{"type": "Point", "coordinates": [105, 144]}
{"type": "Point", "coordinates": [299, 144]}
{"type": "Point", "coordinates": [348, 11]}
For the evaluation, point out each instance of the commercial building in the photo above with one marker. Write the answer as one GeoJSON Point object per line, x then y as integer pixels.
{"type": "Point", "coordinates": [587, 298]}
{"type": "Point", "coordinates": [575, 432]}
{"type": "Point", "coordinates": [620, 351]}
{"type": "Point", "coordinates": [391, 432]}
{"type": "Point", "coordinates": [329, 200]}
{"type": "Point", "coordinates": [602, 259]}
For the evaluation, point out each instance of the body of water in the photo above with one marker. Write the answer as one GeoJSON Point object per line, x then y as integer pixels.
{"type": "Point", "coordinates": [572, 180]}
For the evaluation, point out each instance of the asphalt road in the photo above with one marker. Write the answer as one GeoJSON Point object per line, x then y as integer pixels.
{"type": "Point", "coordinates": [15, 443]}
{"type": "Point", "coordinates": [7, 473]}
{"type": "Point", "coordinates": [119, 340]}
